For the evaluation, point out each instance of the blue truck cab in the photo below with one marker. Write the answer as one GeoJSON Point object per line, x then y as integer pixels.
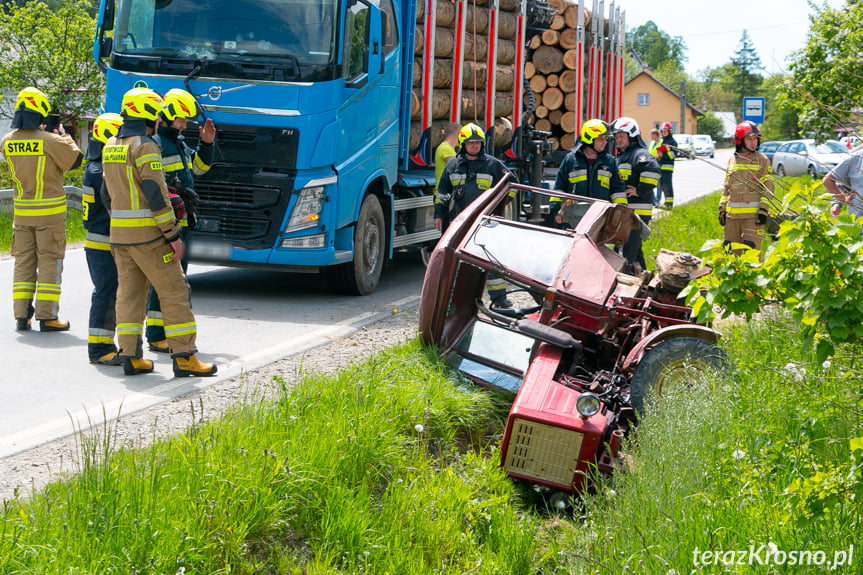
{"type": "Point", "coordinates": [311, 100]}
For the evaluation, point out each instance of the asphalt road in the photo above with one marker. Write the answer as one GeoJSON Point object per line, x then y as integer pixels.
{"type": "Point", "coordinates": [246, 319]}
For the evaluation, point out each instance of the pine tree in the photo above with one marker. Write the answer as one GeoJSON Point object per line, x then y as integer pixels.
{"type": "Point", "coordinates": [745, 67]}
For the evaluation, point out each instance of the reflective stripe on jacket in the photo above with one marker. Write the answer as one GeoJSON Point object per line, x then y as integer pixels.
{"type": "Point", "coordinates": [748, 184]}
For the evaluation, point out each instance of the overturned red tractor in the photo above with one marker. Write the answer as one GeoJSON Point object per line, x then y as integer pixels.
{"type": "Point", "coordinates": [591, 346]}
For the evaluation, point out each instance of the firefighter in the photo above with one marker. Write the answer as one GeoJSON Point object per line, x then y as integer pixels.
{"type": "Point", "coordinates": [589, 170]}
{"type": "Point", "coordinates": [743, 207]}
{"type": "Point", "coordinates": [465, 177]}
{"type": "Point", "coordinates": [36, 160]}
{"type": "Point", "coordinates": [184, 163]}
{"type": "Point", "coordinates": [640, 174]}
{"type": "Point", "coordinates": [666, 151]}
{"type": "Point", "coordinates": [145, 240]}
{"type": "Point", "coordinates": [97, 248]}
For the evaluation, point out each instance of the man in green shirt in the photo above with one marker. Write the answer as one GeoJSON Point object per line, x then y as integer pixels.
{"type": "Point", "coordinates": [445, 150]}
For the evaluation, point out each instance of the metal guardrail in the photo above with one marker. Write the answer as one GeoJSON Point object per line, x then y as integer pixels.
{"type": "Point", "coordinates": [74, 199]}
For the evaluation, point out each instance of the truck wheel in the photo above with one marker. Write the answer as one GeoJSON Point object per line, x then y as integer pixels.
{"type": "Point", "coordinates": [361, 276]}
{"type": "Point", "coordinates": [670, 363]}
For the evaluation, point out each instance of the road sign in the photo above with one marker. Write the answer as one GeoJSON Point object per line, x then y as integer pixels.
{"type": "Point", "coordinates": [753, 110]}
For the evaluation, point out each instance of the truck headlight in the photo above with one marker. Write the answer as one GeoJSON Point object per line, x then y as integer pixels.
{"type": "Point", "coordinates": [307, 210]}
{"type": "Point", "coordinates": [588, 404]}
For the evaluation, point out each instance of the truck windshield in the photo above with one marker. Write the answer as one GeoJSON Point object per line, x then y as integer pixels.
{"type": "Point", "coordinates": [299, 35]}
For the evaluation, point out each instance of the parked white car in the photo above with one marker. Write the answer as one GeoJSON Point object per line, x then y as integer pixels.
{"type": "Point", "coordinates": [685, 143]}
{"type": "Point", "coordinates": [704, 145]}
{"type": "Point", "coordinates": [799, 157]}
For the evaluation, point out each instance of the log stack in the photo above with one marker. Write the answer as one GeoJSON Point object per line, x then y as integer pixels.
{"type": "Point", "coordinates": [474, 69]}
{"type": "Point", "coordinates": [552, 69]}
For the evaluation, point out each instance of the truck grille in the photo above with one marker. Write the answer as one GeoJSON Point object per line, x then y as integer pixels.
{"type": "Point", "coordinates": [542, 452]}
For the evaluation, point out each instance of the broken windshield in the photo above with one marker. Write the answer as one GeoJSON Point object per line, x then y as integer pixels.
{"type": "Point", "coordinates": [258, 31]}
{"type": "Point", "coordinates": [529, 251]}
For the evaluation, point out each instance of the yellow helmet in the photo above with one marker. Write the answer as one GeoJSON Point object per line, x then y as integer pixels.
{"type": "Point", "coordinates": [105, 126]}
{"type": "Point", "coordinates": [593, 129]}
{"type": "Point", "coordinates": [179, 104]}
{"type": "Point", "coordinates": [142, 103]}
{"type": "Point", "coordinates": [470, 133]}
{"type": "Point", "coordinates": [33, 99]}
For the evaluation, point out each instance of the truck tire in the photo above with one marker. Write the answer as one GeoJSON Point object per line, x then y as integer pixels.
{"type": "Point", "coordinates": [669, 361]}
{"type": "Point", "coordinates": [361, 276]}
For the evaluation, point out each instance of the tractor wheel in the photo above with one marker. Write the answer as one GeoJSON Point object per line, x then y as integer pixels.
{"type": "Point", "coordinates": [670, 363]}
{"type": "Point", "coordinates": [361, 276]}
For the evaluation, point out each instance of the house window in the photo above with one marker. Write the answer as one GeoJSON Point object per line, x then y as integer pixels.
{"type": "Point", "coordinates": [644, 99]}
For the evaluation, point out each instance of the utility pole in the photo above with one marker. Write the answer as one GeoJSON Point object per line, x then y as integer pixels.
{"type": "Point", "coordinates": [682, 128]}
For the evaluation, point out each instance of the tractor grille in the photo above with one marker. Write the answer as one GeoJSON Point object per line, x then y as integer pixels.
{"type": "Point", "coordinates": [543, 452]}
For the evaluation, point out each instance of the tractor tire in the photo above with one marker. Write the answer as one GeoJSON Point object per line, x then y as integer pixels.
{"type": "Point", "coordinates": [361, 276]}
{"type": "Point", "coordinates": [669, 361]}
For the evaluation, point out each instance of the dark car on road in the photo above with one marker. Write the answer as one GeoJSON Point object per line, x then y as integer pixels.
{"type": "Point", "coordinates": [769, 148]}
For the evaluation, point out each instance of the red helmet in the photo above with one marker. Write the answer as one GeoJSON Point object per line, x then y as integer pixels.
{"type": "Point", "coordinates": [746, 128]}
{"type": "Point", "coordinates": [666, 126]}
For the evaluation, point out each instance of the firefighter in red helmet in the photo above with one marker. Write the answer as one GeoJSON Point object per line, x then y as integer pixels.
{"type": "Point", "coordinates": [744, 207]}
{"type": "Point", "coordinates": [666, 152]}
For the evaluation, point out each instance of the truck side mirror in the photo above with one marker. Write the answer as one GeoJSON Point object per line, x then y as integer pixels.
{"type": "Point", "coordinates": [108, 22]}
{"type": "Point", "coordinates": [106, 44]}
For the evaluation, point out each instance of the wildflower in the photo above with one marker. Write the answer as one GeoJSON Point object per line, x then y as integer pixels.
{"type": "Point", "coordinates": [738, 454]}
{"type": "Point", "coordinates": [418, 428]}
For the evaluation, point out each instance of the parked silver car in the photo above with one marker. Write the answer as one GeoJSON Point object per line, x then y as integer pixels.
{"type": "Point", "coordinates": [704, 145]}
{"type": "Point", "coordinates": [799, 157]}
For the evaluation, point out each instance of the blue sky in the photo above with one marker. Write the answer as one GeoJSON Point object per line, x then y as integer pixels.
{"type": "Point", "coordinates": [712, 30]}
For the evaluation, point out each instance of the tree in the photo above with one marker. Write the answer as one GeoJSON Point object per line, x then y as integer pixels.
{"type": "Point", "coordinates": [825, 83]}
{"type": "Point", "coordinates": [743, 78]}
{"type": "Point", "coordinates": [52, 51]}
{"type": "Point", "coordinates": [781, 120]}
{"type": "Point", "coordinates": [656, 47]}
{"type": "Point", "coordinates": [712, 126]}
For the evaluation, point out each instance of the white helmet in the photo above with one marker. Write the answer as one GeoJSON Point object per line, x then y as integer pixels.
{"type": "Point", "coordinates": [628, 125]}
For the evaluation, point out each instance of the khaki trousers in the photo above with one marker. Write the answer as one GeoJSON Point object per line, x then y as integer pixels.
{"type": "Point", "coordinates": [744, 231]}
{"type": "Point", "coordinates": [38, 253]}
{"type": "Point", "coordinates": [137, 268]}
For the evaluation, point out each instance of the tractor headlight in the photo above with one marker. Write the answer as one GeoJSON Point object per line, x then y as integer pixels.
{"type": "Point", "coordinates": [588, 404]}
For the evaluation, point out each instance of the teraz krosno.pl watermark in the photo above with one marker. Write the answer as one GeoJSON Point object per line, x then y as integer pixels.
{"type": "Point", "coordinates": [770, 554]}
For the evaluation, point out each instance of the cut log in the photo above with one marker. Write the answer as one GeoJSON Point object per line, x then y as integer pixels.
{"type": "Point", "coordinates": [529, 70]}
{"type": "Point", "coordinates": [534, 42]}
{"type": "Point", "coordinates": [551, 37]}
{"type": "Point", "coordinates": [541, 112]}
{"type": "Point", "coordinates": [543, 125]}
{"type": "Point", "coordinates": [552, 80]}
{"type": "Point", "coordinates": [548, 60]}
{"type": "Point", "coordinates": [558, 22]}
{"type": "Point", "coordinates": [570, 16]}
{"type": "Point", "coordinates": [552, 98]}
{"type": "Point", "coordinates": [568, 38]}
{"type": "Point", "coordinates": [569, 101]}
{"type": "Point", "coordinates": [554, 117]}
{"type": "Point", "coordinates": [566, 81]}
{"type": "Point", "coordinates": [538, 84]}
{"type": "Point", "coordinates": [567, 122]}
{"type": "Point", "coordinates": [567, 141]}
{"type": "Point", "coordinates": [570, 59]}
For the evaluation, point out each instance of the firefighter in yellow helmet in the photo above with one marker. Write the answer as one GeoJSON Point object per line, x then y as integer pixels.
{"type": "Point", "coordinates": [36, 160]}
{"type": "Point", "coordinates": [145, 240]}
{"type": "Point", "coordinates": [97, 248]}
{"type": "Point", "coordinates": [181, 164]}
{"type": "Point", "coordinates": [465, 177]}
{"type": "Point", "coordinates": [589, 170]}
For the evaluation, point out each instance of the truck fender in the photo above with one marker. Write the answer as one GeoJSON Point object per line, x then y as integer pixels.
{"type": "Point", "coordinates": [670, 332]}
